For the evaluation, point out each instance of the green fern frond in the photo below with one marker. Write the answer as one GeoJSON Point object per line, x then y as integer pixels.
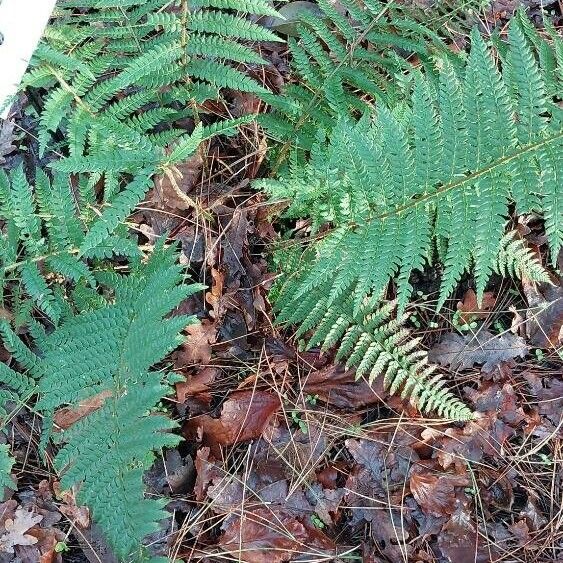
{"type": "Point", "coordinates": [229, 25]}
{"type": "Point", "coordinates": [258, 7]}
{"type": "Point", "coordinates": [346, 59]}
{"type": "Point", "coordinates": [28, 255]}
{"type": "Point", "coordinates": [515, 259]}
{"type": "Point", "coordinates": [119, 209]}
{"type": "Point", "coordinates": [378, 345]}
{"type": "Point", "coordinates": [435, 175]}
{"type": "Point", "coordinates": [439, 172]}
{"type": "Point", "coordinates": [107, 453]}
{"type": "Point", "coordinates": [111, 346]}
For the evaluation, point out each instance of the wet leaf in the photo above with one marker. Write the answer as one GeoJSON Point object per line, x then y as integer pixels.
{"type": "Point", "coordinates": [435, 493]}
{"type": "Point", "coordinates": [244, 416]}
{"type": "Point", "coordinates": [264, 536]}
{"type": "Point", "coordinates": [461, 352]}
{"type": "Point", "coordinates": [198, 385]}
{"type": "Point", "coordinates": [196, 350]}
{"type": "Point", "coordinates": [459, 541]}
{"type": "Point", "coordinates": [338, 387]}
{"type": "Point", "coordinates": [6, 139]}
{"type": "Point", "coordinates": [66, 417]}
{"type": "Point", "coordinates": [544, 326]}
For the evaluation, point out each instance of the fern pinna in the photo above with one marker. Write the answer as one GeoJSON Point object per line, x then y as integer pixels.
{"type": "Point", "coordinates": [435, 176]}
{"type": "Point", "coordinates": [111, 347]}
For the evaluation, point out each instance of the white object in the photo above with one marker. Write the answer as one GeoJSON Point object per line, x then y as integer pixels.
{"type": "Point", "coordinates": [21, 24]}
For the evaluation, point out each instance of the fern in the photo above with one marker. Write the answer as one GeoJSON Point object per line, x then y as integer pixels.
{"type": "Point", "coordinates": [350, 57]}
{"type": "Point", "coordinates": [41, 235]}
{"type": "Point", "coordinates": [109, 65]}
{"type": "Point", "coordinates": [6, 464]}
{"type": "Point", "coordinates": [439, 173]}
{"type": "Point", "coordinates": [111, 347]}
{"type": "Point", "coordinates": [378, 345]}
{"type": "Point", "coordinates": [120, 74]}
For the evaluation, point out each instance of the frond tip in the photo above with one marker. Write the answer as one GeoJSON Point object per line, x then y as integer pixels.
{"type": "Point", "coordinates": [378, 344]}
{"type": "Point", "coordinates": [517, 260]}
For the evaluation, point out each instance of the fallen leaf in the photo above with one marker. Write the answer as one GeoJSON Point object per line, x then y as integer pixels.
{"type": "Point", "coordinates": [244, 416]}
{"type": "Point", "coordinates": [171, 189]}
{"type": "Point", "coordinates": [215, 296]}
{"type": "Point", "coordinates": [6, 139]}
{"type": "Point", "coordinates": [544, 317]}
{"type": "Point", "coordinates": [534, 518]}
{"type": "Point", "coordinates": [338, 387]}
{"type": "Point", "coordinates": [470, 309]}
{"type": "Point", "coordinates": [520, 531]}
{"type": "Point", "coordinates": [196, 350]}
{"type": "Point", "coordinates": [235, 238]}
{"type": "Point", "coordinates": [207, 470]}
{"type": "Point", "coordinates": [66, 417]}
{"type": "Point", "coordinates": [461, 352]}
{"type": "Point", "coordinates": [264, 536]}
{"type": "Point", "coordinates": [435, 493]}
{"type": "Point", "coordinates": [17, 528]}
{"type": "Point", "coordinates": [78, 515]}
{"type": "Point", "coordinates": [197, 385]}
{"type": "Point", "coordinates": [459, 541]}
{"type": "Point", "coordinates": [496, 489]}
{"type": "Point", "coordinates": [377, 480]}
{"type": "Point", "coordinates": [493, 398]}
{"type": "Point", "coordinates": [485, 435]}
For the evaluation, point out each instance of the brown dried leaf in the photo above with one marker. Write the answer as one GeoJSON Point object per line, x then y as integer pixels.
{"type": "Point", "coordinates": [435, 493]}
{"type": "Point", "coordinates": [485, 348]}
{"type": "Point", "coordinates": [244, 416]}
{"type": "Point", "coordinates": [215, 296]}
{"type": "Point", "coordinates": [171, 189]}
{"type": "Point", "coordinates": [544, 317]}
{"type": "Point", "coordinates": [236, 229]}
{"type": "Point", "coordinates": [493, 398]}
{"type": "Point", "coordinates": [196, 349]}
{"type": "Point", "coordinates": [262, 536]}
{"type": "Point", "coordinates": [483, 436]}
{"type": "Point", "coordinates": [66, 417]}
{"type": "Point", "coordinates": [378, 479]}
{"type": "Point", "coordinates": [459, 541]}
{"type": "Point", "coordinates": [521, 532]}
{"type": "Point", "coordinates": [6, 139]}
{"type": "Point", "coordinates": [197, 385]}
{"type": "Point", "coordinates": [471, 310]}
{"type": "Point", "coordinates": [338, 387]}
{"type": "Point", "coordinates": [78, 515]}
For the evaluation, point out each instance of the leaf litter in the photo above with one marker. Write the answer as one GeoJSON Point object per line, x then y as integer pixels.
{"type": "Point", "coordinates": [287, 456]}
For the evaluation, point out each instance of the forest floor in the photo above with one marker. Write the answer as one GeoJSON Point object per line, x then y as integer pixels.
{"type": "Point", "coordinates": [287, 456]}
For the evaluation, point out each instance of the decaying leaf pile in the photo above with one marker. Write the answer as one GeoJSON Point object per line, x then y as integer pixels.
{"type": "Point", "coordinates": [287, 456]}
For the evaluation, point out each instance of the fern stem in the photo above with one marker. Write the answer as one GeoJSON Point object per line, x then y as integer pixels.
{"type": "Point", "coordinates": [471, 177]}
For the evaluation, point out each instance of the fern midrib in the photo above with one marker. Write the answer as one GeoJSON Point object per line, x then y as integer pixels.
{"type": "Point", "coordinates": [35, 259]}
{"type": "Point", "coordinates": [469, 178]}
